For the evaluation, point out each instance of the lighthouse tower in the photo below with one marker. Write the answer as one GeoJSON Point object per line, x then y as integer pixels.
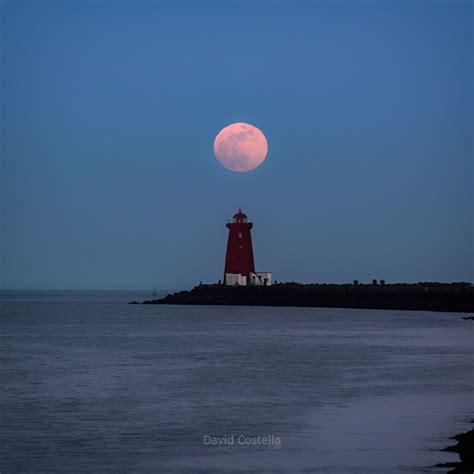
{"type": "Point", "coordinates": [239, 265]}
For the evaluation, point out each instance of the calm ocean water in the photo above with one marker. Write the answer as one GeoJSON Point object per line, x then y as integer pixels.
{"type": "Point", "coordinates": [91, 384]}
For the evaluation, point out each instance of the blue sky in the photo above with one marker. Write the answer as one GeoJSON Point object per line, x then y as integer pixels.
{"type": "Point", "coordinates": [110, 109]}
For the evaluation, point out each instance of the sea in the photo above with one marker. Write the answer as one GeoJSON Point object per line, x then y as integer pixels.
{"type": "Point", "coordinates": [91, 384]}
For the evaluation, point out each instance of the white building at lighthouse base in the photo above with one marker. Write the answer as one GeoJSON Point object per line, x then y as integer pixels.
{"type": "Point", "coordinates": [253, 279]}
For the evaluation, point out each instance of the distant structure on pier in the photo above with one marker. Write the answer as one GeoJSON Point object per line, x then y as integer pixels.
{"type": "Point", "coordinates": [239, 267]}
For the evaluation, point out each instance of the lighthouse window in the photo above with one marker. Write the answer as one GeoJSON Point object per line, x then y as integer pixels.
{"type": "Point", "coordinates": [240, 235]}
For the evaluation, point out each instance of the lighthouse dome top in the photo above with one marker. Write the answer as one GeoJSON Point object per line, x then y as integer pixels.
{"type": "Point", "coordinates": [240, 216]}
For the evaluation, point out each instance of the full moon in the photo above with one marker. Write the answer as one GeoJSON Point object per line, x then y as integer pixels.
{"type": "Point", "coordinates": [240, 147]}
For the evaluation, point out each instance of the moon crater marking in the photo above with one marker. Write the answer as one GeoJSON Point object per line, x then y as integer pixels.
{"type": "Point", "coordinates": [240, 147]}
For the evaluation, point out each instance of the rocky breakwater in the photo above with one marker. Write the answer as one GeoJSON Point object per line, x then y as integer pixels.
{"type": "Point", "coordinates": [456, 297]}
{"type": "Point", "coordinates": [465, 449]}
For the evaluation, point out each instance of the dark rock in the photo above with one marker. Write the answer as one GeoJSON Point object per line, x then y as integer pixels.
{"type": "Point", "coordinates": [466, 447]}
{"type": "Point", "coordinates": [456, 297]}
{"type": "Point", "coordinates": [465, 450]}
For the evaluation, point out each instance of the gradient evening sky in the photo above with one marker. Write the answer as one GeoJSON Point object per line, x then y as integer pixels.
{"type": "Point", "coordinates": [110, 110]}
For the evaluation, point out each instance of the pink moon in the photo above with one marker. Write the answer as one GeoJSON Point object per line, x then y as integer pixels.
{"type": "Point", "coordinates": [240, 147]}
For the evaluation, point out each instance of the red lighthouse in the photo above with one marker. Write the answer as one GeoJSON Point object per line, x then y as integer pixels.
{"type": "Point", "coordinates": [239, 262]}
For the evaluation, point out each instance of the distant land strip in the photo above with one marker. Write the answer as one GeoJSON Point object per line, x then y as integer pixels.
{"type": "Point", "coordinates": [424, 296]}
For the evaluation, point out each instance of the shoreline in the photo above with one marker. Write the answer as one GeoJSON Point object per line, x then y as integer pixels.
{"type": "Point", "coordinates": [439, 297]}
{"type": "Point", "coordinates": [465, 450]}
